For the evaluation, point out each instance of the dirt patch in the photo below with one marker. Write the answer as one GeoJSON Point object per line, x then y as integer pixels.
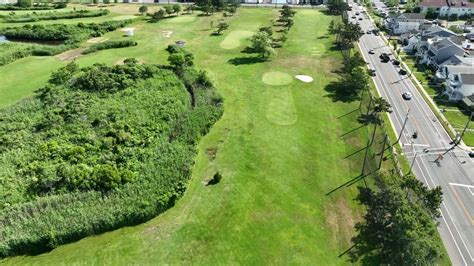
{"type": "Point", "coordinates": [211, 153]}
{"type": "Point", "coordinates": [70, 55]}
{"type": "Point", "coordinates": [97, 40]}
{"type": "Point", "coordinates": [341, 223]}
{"type": "Point", "coordinates": [166, 33]}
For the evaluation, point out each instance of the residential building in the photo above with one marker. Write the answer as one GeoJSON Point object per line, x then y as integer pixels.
{"type": "Point", "coordinates": [453, 66]}
{"type": "Point", "coordinates": [459, 86]}
{"type": "Point", "coordinates": [446, 8]}
{"type": "Point", "coordinates": [468, 102]}
{"type": "Point", "coordinates": [404, 22]}
{"type": "Point", "coordinates": [440, 50]}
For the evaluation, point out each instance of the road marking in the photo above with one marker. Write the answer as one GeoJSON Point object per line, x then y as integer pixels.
{"type": "Point", "coordinates": [469, 187]}
{"type": "Point", "coordinates": [462, 206]}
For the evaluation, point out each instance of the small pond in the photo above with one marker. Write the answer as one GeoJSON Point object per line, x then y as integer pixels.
{"type": "Point", "coordinates": [3, 39]}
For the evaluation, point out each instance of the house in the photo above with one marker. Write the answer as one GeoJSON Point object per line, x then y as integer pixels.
{"type": "Point", "coordinates": [403, 22]}
{"type": "Point", "coordinates": [468, 102]}
{"type": "Point", "coordinates": [444, 72]}
{"type": "Point", "coordinates": [4, 2]}
{"type": "Point", "coordinates": [440, 50]}
{"type": "Point", "coordinates": [459, 86]}
{"type": "Point", "coordinates": [446, 8]}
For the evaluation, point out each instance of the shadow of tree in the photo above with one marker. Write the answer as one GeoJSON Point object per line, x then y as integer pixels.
{"type": "Point", "coordinates": [340, 92]}
{"type": "Point", "coordinates": [246, 60]}
{"type": "Point", "coordinates": [248, 50]}
{"type": "Point", "coordinates": [367, 119]}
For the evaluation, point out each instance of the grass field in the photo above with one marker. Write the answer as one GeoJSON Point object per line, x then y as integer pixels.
{"type": "Point", "coordinates": [280, 148]}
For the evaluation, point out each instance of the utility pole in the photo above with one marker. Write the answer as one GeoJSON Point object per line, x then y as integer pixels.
{"type": "Point", "coordinates": [413, 162]}
{"type": "Point", "coordinates": [403, 127]}
{"type": "Point", "coordinates": [458, 140]}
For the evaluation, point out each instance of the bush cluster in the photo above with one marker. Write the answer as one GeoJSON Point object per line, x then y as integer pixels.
{"type": "Point", "coordinates": [99, 148]}
{"type": "Point", "coordinates": [109, 45]}
{"type": "Point", "coordinates": [55, 15]}
{"type": "Point", "coordinates": [12, 7]}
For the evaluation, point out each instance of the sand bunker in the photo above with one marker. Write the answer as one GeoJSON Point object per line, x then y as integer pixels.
{"type": "Point", "coordinates": [166, 33]}
{"type": "Point", "coordinates": [124, 17]}
{"type": "Point", "coordinates": [304, 78]}
{"type": "Point", "coordinates": [233, 39]}
{"type": "Point", "coordinates": [97, 40]}
{"type": "Point", "coordinates": [276, 78]}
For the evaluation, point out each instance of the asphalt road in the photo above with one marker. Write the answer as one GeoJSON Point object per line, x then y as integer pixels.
{"type": "Point", "coordinates": [454, 173]}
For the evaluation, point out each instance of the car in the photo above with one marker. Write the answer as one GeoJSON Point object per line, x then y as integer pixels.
{"type": "Point", "coordinates": [406, 95]}
{"type": "Point", "coordinates": [360, 18]}
{"type": "Point", "coordinates": [371, 72]}
{"type": "Point", "coordinates": [402, 71]}
{"type": "Point", "coordinates": [369, 32]}
{"type": "Point", "coordinates": [371, 51]}
{"type": "Point", "coordinates": [385, 57]}
{"type": "Point", "coordinates": [353, 16]}
{"type": "Point", "coordinates": [471, 154]}
{"type": "Point", "coordinates": [375, 32]}
{"type": "Point", "coordinates": [395, 62]}
{"type": "Point", "coordinates": [357, 13]}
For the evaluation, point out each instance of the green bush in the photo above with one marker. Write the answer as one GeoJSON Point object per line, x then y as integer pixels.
{"type": "Point", "coordinates": [87, 156]}
{"type": "Point", "coordinates": [55, 16]}
{"type": "Point", "coordinates": [109, 45]}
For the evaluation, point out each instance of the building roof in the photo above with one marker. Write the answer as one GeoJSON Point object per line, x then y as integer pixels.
{"type": "Point", "coordinates": [467, 79]}
{"type": "Point", "coordinates": [460, 69]}
{"type": "Point", "coordinates": [456, 60]}
{"type": "Point", "coordinates": [450, 3]}
{"type": "Point", "coordinates": [438, 45]}
{"type": "Point", "coordinates": [407, 16]}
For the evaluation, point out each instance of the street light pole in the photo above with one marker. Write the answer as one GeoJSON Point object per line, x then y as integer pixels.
{"type": "Point", "coordinates": [403, 127]}
{"type": "Point", "coordinates": [413, 162]}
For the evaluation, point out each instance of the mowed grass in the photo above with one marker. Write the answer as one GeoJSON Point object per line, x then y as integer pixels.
{"type": "Point", "coordinates": [282, 152]}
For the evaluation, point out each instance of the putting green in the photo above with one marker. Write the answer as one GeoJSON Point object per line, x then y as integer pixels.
{"type": "Point", "coordinates": [233, 39]}
{"type": "Point", "coordinates": [276, 78]}
{"type": "Point", "coordinates": [182, 19]}
{"type": "Point", "coordinates": [281, 108]}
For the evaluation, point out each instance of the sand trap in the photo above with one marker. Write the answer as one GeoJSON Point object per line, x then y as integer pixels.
{"type": "Point", "coordinates": [182, 19]}
{"type": "Point", "coordinates": [128, 29]}
{"type": "Point", "coordinates": [276, 78]}
{"type": "Point", "coordinates": [124, 17]}
{"type": "Point", "coordinates": [304, 78]}
{"type": "Point", "coordinates": [97, 40]}
{"type": "Point", "coordinates": [233, 39]}
{"type": "Point", "coordinates": [166, 33]}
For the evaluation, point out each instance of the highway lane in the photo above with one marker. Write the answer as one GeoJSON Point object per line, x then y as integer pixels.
{"type": "Point", "coordinates": [454, 173]}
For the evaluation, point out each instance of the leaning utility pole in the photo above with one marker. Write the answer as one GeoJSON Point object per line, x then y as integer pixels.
{"type": "Point", "coordinates": [403, 127]}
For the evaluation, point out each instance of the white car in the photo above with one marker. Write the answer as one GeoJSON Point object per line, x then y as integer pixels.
{"type": "Point", "coordinates": [371, 51]}
{"type": "Point", "coordinates": [406, 95]}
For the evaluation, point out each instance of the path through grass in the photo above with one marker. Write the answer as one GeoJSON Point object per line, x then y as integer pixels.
{"type": "Point", "coordinates": [272, 205]}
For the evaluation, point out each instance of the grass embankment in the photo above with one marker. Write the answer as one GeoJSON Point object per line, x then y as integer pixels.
{"type": "Point", "coordinates": [455, 115]}
{"type": "Point", "coordinates": [277, 201]}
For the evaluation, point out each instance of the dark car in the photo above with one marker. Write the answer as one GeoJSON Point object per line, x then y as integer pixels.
{"type": "Point", "coordinates": [396, 62]}
{"type": "Point", "coordinates": [402, 71]}
{"type": "Point", "coordinates": [353, 16]}
{"type": "Point", "coordinates": [371, 72]}
{"type": "Point", "coordinates": [360, 18]}
{"type": "Point", "coordinates": [471, 154]}
{"type": "Point", "coordinates": [385, 57]}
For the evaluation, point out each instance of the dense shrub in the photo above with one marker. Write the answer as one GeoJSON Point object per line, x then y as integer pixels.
{"type": "Point", "coordinates": [109, 45]}
{"type": "Point", "coordinates": [55, 15]}
{"type": "Point", "coordinates": [86, 156]}
{"type": "Point", "coordinates": [10, 52]}
{"type": "Point", "coordinates": [44, 6]}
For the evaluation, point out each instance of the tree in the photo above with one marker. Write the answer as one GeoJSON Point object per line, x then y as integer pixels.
{"type": "Point", "coordinates": [431, 13]}
{"type": "Point", "coordinates": [232, 10]}
{"type": "Point", "coordinates": [337, 7]}
{"type": "Point", "coordinates": [221, 27]}
{"type": "Point", "coordinates": [394, 230]}
{"type": "Point", "coordinates": [352, 62]}
{"type": "Point", "coordinates": [169, 9]}
{"type": "Point", "coordinates": [106, 2]}
{"type": "Point", "coordinates": [180, 59]}
{"type": "Point", "coordinates": [177, 8]}
{"type": "Point", "coordinates": [350, 33]}
{"type": "Point", "coordinates": [143, 10]}
{"type": "Point", "coordinates": [157, 16]}
{"type": "Point", "coordinates": [430, 198]}
{"type": "Point", "coordinates": [268, 30]}
{"type": "Point", "coordinates": [381, 105]}
{"type": "Point", "coordinates": [189, 9]}
{"type": "Point", "coordinates": [62, 75]}
{"type": "Point", "coordinates": [355, 81]}
{"type": "Point", "coordinates": [262, 44]}
{"type": "Point", "coordinates": [287, 12]}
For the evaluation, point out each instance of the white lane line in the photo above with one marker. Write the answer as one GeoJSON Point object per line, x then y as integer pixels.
{"type": "Point", "coordinates": [447, 211]}
{"type": "Point", "coordinates": [469, 187]}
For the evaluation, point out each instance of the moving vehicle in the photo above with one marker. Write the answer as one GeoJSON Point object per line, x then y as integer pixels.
{"type": "Point", "coordinates": [371, 72]}
{"type": "Point", "coordinates": [395, 62]}
{"type": "Point", "coordinates": [406, 95]}
{"type": "Point", "coordinates": [385, 57]}
{"type": "Point", "coordinates": [371, 51]}
{"type": "Point", "coordinates": [369, 32]}
{"type": "Point", "coordinates": [353, 17]}
{"type": "Point", "coordinates": [360, 18]}
{"type": "Point", "coordinates": [471, 154]}
{"type": "Point", "coordinates": [357, 13]}
{"type": "Point", "coordinates": [402, 71]}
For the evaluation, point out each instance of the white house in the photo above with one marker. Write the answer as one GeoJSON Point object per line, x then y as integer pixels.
{"type": "Point", "coordinates": [459, 86]}
{"type": "Point", "coordinates": [447, 8]}
{"type": "Point", "coordinates": [404, 22]}
{"type": "Point", "coordinates": [439, 51]}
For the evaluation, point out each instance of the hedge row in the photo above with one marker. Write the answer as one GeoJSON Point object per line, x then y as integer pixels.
{"type": "Point", "coordinates": [55, 16]}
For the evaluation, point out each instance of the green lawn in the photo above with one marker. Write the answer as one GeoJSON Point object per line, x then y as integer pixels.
{"type": "Point", "coordinates": [280, 149]}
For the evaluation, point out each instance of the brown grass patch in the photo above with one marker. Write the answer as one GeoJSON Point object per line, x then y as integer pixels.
{"type": "Point", "coordinates": [341, 222]}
